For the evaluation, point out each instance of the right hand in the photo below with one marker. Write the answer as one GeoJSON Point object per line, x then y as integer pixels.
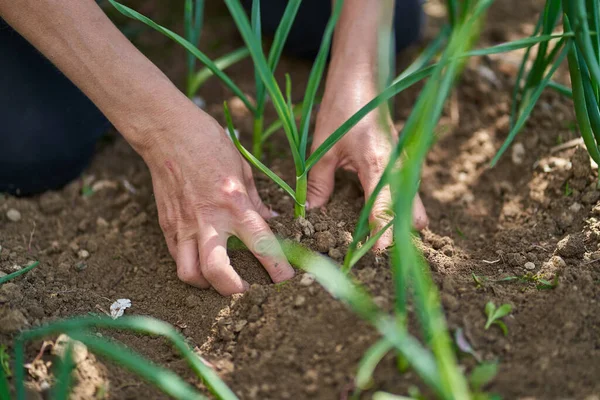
{"type": "Point", "coordinates": [205, 193]}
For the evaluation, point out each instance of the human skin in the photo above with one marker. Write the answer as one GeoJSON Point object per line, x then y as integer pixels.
{"type": "Point", "coordinates": [204, 190]}
{"type": "Point", "coordinates": [352, 81]}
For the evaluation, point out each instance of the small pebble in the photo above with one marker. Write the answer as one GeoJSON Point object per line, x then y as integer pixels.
{"type": "Point", "coordinates": [307, 280]}
{"type": "Point", "coordinates": [529, 266]}
{"type": "Point", "coordinates": [575, 207]}
{"type": "Point", "coordinates": [300, 300]}
{"type": "Point", "coordinates": [13, 215]}
{"type": "Point", "coordinates": [518, 153]}
{"type": "Point", "coordinates": [84, 254]}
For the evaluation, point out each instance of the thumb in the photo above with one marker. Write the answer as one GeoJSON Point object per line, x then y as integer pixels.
{"type": "Point", "coordinates": [321, 182]}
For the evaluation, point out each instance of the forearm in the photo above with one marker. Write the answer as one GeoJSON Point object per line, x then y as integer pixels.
{"type": "Point", "coordinates": [356, 39]}
{"type": "Point", "coordinates": [84, 44]}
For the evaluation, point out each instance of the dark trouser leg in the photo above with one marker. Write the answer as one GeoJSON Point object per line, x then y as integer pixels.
{"type": "Point", "coordinates": [48, 128]}
{"type": "Point", "coordinates": [305, 37]}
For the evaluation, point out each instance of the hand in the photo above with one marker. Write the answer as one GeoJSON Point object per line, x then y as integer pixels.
{"type": "Point", "coordinates": [205, 193]}
{"type": "Point", "coordinates": [364, 150]}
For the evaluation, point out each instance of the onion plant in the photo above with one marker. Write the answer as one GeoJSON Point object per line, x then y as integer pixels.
{"type": "Point", "coordinates": [579, 43]}
{"type": "Point", "coordinates": [80, 329]}
{"type": "Point", "coordinates": [435, 363]}
{"type": "Point", "coordinates": [195, 79]}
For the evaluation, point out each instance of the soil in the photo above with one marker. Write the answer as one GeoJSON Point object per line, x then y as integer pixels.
{"type": "Point", "coordinates": [537, 212]}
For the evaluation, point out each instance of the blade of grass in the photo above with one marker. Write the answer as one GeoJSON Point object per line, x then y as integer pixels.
{"type": "Point", "coordinates": [20, 272]}
{"type": "Point", "coordinates": [221, 63]}
{"type": "Point", "coordinates": [427, 55]}
{"type": "Point", "coordinates": [138, 324]}
{"type": "Point", "coordinates": [275, 126]}
{"type": "Point", "coordinates": [253, 160]}
{"type": "Point", "coordinates": [519, 88]}
{"type": "Point", "coordinates": [128, 12]}
{"type": "Point", "coordinates": [257, 30]}
{"type": "Point", "coordinates": [337, 135]}
{"type": "Point", "coordinates": [561, 89]}
{"type": "Point", "coordinates": [4, 388]}
{"type": "Point", "coordinates": [515, 45]}
{"type": "Point", "coordinates": [282, 32]}
{"type": "Point", "coordinates": [355, 254]}
{"type": "Point", "coordinates": [368, 363]}
{"type": "Point", "coordinates": [193, 16]}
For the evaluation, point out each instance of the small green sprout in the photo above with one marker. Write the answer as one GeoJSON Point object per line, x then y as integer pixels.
{"type": "Point", "coordinates": [478, 280]}
{"type": "Point", "coordinates": [495, 315]}
{"type": "Point", "coordinates": [568, 190]}
{"type": "Point", "coordinates": [482, 375]}
{"type": "Point", "coordinates": [5, 360]}
{"type": "Point", "coordinates": [540, 283]}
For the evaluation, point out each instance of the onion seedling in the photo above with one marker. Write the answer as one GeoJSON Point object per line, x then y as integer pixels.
{"type": "Point", "coordinates": [297, 135]}
{"type": "Point", "coordinates": [495, 314]}
{"type": "Point", "coordinates": [193, 24]}
{"type": "Point", "coordinates": [580, 42]}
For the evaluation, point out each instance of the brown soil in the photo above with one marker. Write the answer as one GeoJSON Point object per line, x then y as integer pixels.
{"type": "Point", "coordinates": [293, 341]}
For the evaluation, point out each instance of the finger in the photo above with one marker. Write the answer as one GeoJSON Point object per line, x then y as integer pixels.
{"type": "Point", "coordinates": [188, 266]}
{"type": "Point", "coordinates": [257, 202]}
{"type": "Point", "coordinates": [381, 214]}
{"type": "Point", "coordinates": [321, 180]}
{"type": "Point", "coordinates": [420, 220]}
{"type": "Point", "coordinates": [257, 235]}
{"type": "Point", "coordinates": [215, 264]}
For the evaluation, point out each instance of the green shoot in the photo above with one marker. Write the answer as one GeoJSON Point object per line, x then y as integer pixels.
{"type": "Point", "coordinates": [368, 363]}
{"type": "Point", "coordinates": [389, 396]}
{"type": "Point", "coordinates": [20, 272]}
{"type": "Point", "coordinates": [478, 280]}
{"type": "Point", "coordinates": [5, 360]}
{"type": "Point", "coordinates": [4, 388]}
{"type": "Point", "coordinates": [568, 191]}
{"type": "Point", "coordinates": [482, 374]}
{"type": "Point", "coordinates": [495, 315]}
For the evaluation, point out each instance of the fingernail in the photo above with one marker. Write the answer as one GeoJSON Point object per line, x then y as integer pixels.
{"type": "Point", "coordinates": [246, 286]}
{"type": "Point", "coordinates": [307, 205]}
{"type": "Point", "coordinates": [274, 213]}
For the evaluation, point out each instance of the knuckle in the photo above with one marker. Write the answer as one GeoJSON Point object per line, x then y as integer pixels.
{"type": "Point", "coordinates": [232, 191]}
{"type": "Point", "coordinates": [376, 161]}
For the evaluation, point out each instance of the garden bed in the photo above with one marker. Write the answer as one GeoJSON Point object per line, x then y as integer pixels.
{"type": "Point", "coordinates": [538, 205]}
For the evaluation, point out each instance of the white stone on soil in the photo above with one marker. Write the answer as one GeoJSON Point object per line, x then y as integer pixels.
{"type": "Point", "coordinates": [13, 215]}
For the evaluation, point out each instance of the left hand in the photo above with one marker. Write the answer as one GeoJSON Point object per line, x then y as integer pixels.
{"type": "Point", "coordinates": [364, 150]}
